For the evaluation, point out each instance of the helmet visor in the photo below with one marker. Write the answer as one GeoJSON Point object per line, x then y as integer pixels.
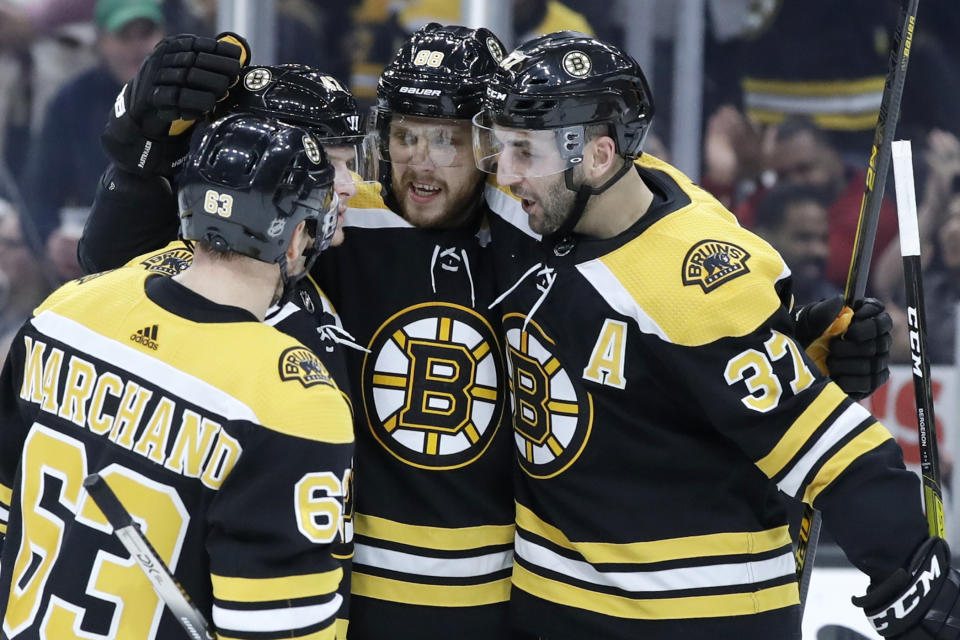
{"type": "Point", "coordinates": [321, 204]}
{"type": "Point", "coordinates": [353, 157]}
{"type": "Point", "coordinates": [525, 153]}
{"type": "Point", "coordinates": [422, 142]}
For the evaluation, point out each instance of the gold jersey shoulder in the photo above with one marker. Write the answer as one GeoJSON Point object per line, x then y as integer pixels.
{"type": "Point", "coordinates": [696, 273]}
{"type": "Point", "coordinates": [281, 381]}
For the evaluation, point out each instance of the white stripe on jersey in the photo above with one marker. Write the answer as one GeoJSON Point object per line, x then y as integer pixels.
{"type": "Point", "coordinates": [274, 620]}
{"type": "Point", "coordinates": [844, 424]}
{"type": "Point", "coordinates": [509, 208]}
{"type": "Point", "coordinates": [702, 577]}
{"type": "Point", "coordinates": [419, 565]}
{"type": "Point", "coordinates": [607, 285]}
{"type": "Point", "coordinates": [857, 103]}
{"type": "Point", "coordinates": [177, 382]}
{"type": "Point", "coordinates": [4, 515]}
{"type": "Point", "coordinates": [279, 315]}
{"type": "Point", "coordinates": [373, 219]}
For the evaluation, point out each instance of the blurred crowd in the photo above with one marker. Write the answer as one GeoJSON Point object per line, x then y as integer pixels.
{"type": "Point", "coordinates": [791, 95]}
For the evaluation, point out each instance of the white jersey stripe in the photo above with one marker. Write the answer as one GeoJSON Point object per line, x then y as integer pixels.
{"type": "Point", "coordinates": [274, 620]}
{"type": "Point", "coordinates": [702, 577]}
{"type": "Point", "coordinates": [509, 209]}
{"type": "Point", "coordinates": [607, 285]}
{"type": "Point", "coordinates": [431, 566]}
{"type": "Point", "coordinates": [868, 101]}
{"type": "Point", "coordinates": [373, 219]}
{"type": "Point", "coordinates": [177, 382]}
{"type": "Point", "coordinates": [844, 424]}
{"type": "Point", "coordinates": [275, 316]}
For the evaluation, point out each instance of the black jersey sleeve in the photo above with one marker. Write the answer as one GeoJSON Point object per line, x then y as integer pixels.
{"type": "Point", "coordinates": [131, 215]}
{"type": "Point", "coordinates": [762, 391]}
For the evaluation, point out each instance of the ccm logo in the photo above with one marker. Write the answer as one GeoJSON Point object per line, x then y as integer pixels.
{"type": "Point", "coordinates": [902, 606]}
{"type": "Point", "coordinates": [420, 92]}
{"type": "Point", "coordinates": [496, 95]}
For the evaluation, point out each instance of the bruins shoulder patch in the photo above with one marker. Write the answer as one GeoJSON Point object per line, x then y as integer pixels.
{"type": "Point", "coordinates": [711, 263]}
{"type": "Point", "coordinates": [168, 263]}
{"type": "Point", "coordinates": [301, 364]}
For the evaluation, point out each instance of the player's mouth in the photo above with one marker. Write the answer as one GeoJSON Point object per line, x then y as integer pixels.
{"type": "Point", "coordinates": [527, 205]}
{"type": "Point", "coordinates": [422, 193]}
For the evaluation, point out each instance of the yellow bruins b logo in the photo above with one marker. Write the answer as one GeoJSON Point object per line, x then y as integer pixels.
{"type": "Point", "coordinates": [433, 385]}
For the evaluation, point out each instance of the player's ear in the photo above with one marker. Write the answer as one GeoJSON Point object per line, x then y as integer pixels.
{"type": "Point", "coordinates": [299, 242]}
{"type": "Point", "coordinates": [600, 159]}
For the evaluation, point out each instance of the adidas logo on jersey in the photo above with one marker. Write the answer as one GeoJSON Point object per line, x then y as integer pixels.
{"type": "Point", "coordinates": [146, 336]}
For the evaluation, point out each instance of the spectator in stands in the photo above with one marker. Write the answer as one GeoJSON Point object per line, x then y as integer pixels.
{"type": "Point", "coordinates": [65, 159]}
{"type": "Point", "coordinates": [802, 154]}
{"type": "Point", "coordinates": [793, 218]}
{"type": "Point", "coordinates": [22, 282]}
{"type": "Point", "coordinates": [938, 218]}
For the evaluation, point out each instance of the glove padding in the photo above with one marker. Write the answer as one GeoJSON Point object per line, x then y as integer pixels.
{"type": "Point", "coordinates": [921, 602]}
{"type": "Point", "coordinates": [858, 359]}
{"type": "Point", "coordinates": [178, 83]}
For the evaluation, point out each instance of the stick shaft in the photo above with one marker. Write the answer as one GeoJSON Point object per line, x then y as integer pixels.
{"type": "Point", "coordinates": [916, 321]}
{"type": "Point", "coordinates": [879, 164]}
{"type": "Point", "coordinates": [867, 224]}
{"type": "Point", "coordinates": [164, 583]}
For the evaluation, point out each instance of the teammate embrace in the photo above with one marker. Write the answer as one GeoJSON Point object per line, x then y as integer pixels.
{"type": "Point", "coordinates": [580, 402]}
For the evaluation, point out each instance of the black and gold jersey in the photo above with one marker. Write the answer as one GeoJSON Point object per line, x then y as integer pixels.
{"type": "Point", "coordinates": [434, 503]}
{"type": "Point", "coordinates": [227, 440]}
{"type": "Point", "coordinates": [662, 414]}
{"type": "Point", "coordinates": [308, 316]}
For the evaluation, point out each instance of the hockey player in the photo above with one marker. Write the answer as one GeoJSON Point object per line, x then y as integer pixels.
{"type": "Point", "coordinates": [137, 377]}
{"type": "Point", "coordinates": [662, 408]}
{"type": "Point", "coordinates": [436, 530]}
{"type": "Point", "coordinates": [434, 510]}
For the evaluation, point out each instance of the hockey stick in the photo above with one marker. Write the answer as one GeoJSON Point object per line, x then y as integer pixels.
{"type": "Point", "coordinates": [190, 618]}
{"type": "Point", "coordinates": [922, 391]}
{"type": "Point", "coordinates": [865, 239]}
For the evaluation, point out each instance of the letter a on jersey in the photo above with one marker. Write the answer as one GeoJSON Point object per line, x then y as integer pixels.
{"type": "Point", "coordinates": [606, 360]}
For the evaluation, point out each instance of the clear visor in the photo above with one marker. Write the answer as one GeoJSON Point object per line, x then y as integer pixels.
{"type": "Point", "coordinates": [353, 157]}
{"type": "Point", "coordinates": [424, 142]}
{"type": "Point", "coordinates": [525, 153]}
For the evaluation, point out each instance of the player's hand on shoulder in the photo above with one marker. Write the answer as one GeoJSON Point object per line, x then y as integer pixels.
{"type": "Point", "coordinates": [178, 83]}
{"type": "Point", "coordinates": [858, 359]}
{"type": "Point", "coordinates": [920, 602]}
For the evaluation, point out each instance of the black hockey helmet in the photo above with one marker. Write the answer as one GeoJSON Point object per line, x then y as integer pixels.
{"type": "Point", "coordinates": [567, 78]}
{"type": "Point", "coordinates": [551, 89]}
{"type": "Point", "coordinates": [249, 180]}
{"type": "Point", "coordinates": [302, 96]}
{"type": "Point", "coordinates": [439, 72]}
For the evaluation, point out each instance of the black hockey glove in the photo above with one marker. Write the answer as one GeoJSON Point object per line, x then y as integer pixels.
{"type": "Point", "coordinates": [854, 355]}
{"type": "Point", "coordinates": [178, 83]}
{"type": "Point", "coordinates": [918, 603]}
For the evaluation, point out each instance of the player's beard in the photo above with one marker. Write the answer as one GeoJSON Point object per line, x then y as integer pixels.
{"type": "Point", "coordinates": [556, 206]}
{"type": "Point", "coordinates": [456, 203]}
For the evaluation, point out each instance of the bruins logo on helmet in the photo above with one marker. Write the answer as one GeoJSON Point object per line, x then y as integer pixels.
{"type": "Point", "coordinates": [710, 263]}
{"type": "Point", "coordinates": [552, 419]}
{"type": "Point", "coordinates": [432, 385]}
{"type": "Point", "coordinates": [168, 263]}
{"type": "Point", "coordinates": [257, 79]}
{"type": "Point", "coordinates": [300, 364]}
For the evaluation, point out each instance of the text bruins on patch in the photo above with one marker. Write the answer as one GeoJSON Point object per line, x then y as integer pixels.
{"type": "Point", "coordinates": [299, 363]}
{"type": "Point", "coordinates": [710, 263]}
{"type": "Point", "coordinates": [169, 263]}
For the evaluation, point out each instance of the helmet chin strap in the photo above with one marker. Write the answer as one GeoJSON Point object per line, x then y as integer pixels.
{"type": "Point", "coordinates": [583, 194]}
